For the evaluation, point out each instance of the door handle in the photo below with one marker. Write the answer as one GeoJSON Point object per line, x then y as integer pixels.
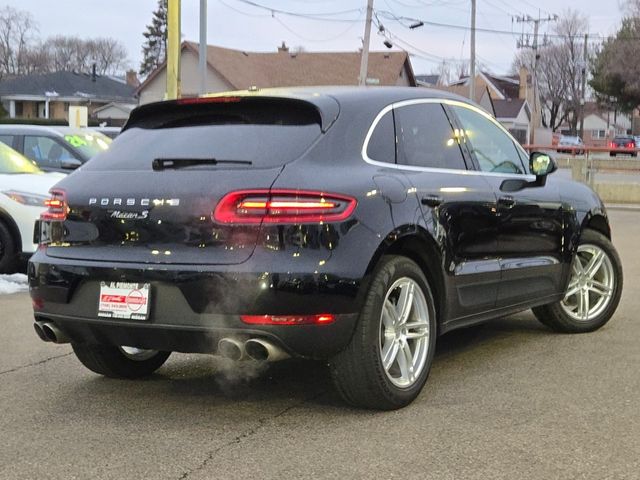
{"type": "Point", "coordinates": [506, 201]}
{"type": "Point", "coordinates": [431, 200]}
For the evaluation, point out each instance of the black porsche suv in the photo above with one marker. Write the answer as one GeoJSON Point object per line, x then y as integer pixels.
{"type": "Point", "coordinates": [349, 225]}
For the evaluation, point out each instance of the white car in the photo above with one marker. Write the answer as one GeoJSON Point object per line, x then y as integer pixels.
{"type": "Point", "coordinates": [24, 188]}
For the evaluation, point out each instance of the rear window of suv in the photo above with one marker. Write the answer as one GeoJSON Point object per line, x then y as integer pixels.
{"type": "Point", "coordinates": [265, 133]}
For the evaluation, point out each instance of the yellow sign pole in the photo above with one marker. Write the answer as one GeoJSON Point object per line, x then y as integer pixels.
{"type": "Point", "coordinates": [173, 50]}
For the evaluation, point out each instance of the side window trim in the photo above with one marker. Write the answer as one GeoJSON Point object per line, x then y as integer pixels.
{"type": "Point", "coordinates": [443, 101]}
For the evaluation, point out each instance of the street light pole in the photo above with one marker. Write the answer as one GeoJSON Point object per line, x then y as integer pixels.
{"type": "Point", "coordinates": [202, 60]}
{"type": "Point", "coordinates": [364, 59]}
{"type": "Point", "coordinates": [173, 49]}
{"type": "Point", "coordinates": [472, 68]}
{"type": "Point", "coordinates": [584, 84]}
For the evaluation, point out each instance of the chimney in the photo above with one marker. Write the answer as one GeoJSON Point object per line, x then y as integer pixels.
{"type": "Point", "coordinates": [132, 79]}
{"type": "Point", "coordinates": [283, 48]}
{"type": "Point", "coordinates": [93, 72]}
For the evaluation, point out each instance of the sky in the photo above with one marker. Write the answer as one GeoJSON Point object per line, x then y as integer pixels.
{"type": "Point", "coordinates": [236, 24]}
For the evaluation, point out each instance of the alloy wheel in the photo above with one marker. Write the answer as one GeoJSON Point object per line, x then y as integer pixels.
{"type": "Point", "coordinates": [591, 285]}
{"type": "Point", "coordinates": [404, 332]}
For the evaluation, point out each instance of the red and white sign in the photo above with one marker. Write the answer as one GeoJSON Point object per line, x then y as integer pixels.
{"type": "Point", "coordinates": [124, 300]}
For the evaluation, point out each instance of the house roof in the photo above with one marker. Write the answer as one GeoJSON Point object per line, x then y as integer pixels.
{"type": "Point", "coordinates": [69, 84]}
{"type": "Point", "coordinates": [428, 80]}
{"type": "Point", "coordinates": [462, 90]}
{"type": "Point", "coordinates": [243, 70]}
{"type": "Point", "coordinates": [509, 108]}
{"type": "Point", "coordinates": [506, 86]}
{"type": "Point", "coordinates": [123, 107]}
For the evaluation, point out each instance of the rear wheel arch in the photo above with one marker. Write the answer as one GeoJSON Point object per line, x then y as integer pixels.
{"type": "Point", "coordinates": [417, 245]}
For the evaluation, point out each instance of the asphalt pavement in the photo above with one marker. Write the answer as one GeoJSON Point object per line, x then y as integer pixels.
{"type": "Point", "coordinates": [505, 400]}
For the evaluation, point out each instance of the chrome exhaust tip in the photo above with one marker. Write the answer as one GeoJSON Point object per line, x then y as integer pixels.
{"type": "Point", "coordinates": [53, 333]}
{"type": "Point", "coordinates": [231, 348]}
{"type": "Point", "coordinates": [37, 326]}
{"type": "Point", "coordinates": [264, 351]}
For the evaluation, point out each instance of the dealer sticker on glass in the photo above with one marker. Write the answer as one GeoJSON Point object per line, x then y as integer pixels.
{"type": "Point", "coordinates": [124, 300]}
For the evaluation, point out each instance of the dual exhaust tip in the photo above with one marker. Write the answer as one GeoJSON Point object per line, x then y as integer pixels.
{"type": "Point", "coordinates": [257, 349]}
{"type": "Point", "coordinates": [48, 332]}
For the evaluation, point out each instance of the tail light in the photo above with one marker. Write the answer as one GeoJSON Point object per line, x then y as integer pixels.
{"type": "Point", "coordinates": [612, 145]}
{"type": "Point", "coordinates": [630, 145]}
{"type": "Point", "coordinates": [56, 206]}
{"type": "Point", "coordinates": [283, 206]}
{"type": "Point", "coordinates": [320, 319]}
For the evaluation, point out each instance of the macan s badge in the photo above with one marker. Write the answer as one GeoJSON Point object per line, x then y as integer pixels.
{"type": "Point", "coordinates": [129, 215]}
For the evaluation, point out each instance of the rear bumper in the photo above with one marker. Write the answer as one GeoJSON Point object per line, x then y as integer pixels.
{"type": "Point", "coordinates": [192, 307]}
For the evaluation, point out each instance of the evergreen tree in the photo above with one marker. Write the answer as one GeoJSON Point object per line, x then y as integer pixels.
{"type": "Point", "coordinates": [154, 49]}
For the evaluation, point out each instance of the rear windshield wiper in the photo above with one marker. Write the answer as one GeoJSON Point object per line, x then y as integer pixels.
{"type": "Point", "coordinates": [174, 163]}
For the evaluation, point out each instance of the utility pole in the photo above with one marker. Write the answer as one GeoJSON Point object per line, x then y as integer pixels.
{"type": "Point", "coordinates": [472, 68]}
{"type": "Point", "coordinates": [364, 59]}
{"type": "Point", "coordinates": [534, 75]}
{"type": "Point", "coordinates": [585, 53]}
{"type": "Point", "coordinates": [173, 49]}
{"type": "Point", "coordinates": [202, 51]}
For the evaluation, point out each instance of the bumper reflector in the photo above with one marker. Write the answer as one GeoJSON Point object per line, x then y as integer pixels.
{"type": "Point", "coordinates": [320, 319]}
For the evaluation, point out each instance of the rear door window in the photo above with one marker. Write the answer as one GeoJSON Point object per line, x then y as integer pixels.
{"type": "Point", "coordinates": [266, 134]}
{"type": "Point", "coordinates": [426, 138]}
{"type": "Point", "coordinates": [7, 140]}
{"type": "Point", "coordinates": [45, 151]}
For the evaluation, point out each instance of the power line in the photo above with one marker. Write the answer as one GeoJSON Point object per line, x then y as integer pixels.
{"type": "Point", "coordinates": [309, 16]}
{"type": "Point", "coordinates": [403, 20]}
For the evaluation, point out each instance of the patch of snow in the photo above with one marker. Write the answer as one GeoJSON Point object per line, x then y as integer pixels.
{"type": "Point", "coordinates": [13, 283]}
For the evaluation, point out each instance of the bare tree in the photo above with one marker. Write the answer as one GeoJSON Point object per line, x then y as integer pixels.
{"type": "Point", "coordinates": [559, 70]}
{"type": "Point", "coordinates": [75, 54]}
{"type": "Point", "coordinates": [109, 55]}
{"type": "Point", "coordinates": [17, 32]}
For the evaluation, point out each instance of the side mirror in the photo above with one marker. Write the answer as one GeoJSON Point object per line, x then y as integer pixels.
{"type": "Point", "coordinates": [541, 164]}
{"type": "Point", "coordinates": [70, 163]}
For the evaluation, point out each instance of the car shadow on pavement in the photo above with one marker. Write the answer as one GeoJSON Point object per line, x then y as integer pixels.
{"type": "Point", "coordinates": [197, 380]}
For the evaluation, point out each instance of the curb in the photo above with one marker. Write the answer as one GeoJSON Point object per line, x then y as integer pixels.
{"type": "Point", "coordinates": [623, 206]}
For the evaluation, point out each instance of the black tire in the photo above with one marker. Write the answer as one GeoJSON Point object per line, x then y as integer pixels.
{"type": "Point", "coordinates": [611, 154]}
{"type": "Point", "coordinates": [111, 361]}
{"type": "Point", "coordinates": [8, 250]}
{"type": "Point", "coordinates": [555, 317]}
{"type": "Point", "coordinates": [358, 372]}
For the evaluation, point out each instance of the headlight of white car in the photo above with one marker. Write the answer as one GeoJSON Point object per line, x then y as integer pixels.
{"type": "Point", "coordinates": [30, 199]}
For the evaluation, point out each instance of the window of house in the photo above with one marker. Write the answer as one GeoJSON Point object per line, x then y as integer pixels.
{"type": "Point", "coordinates": [19, 109]}
{"type": "Point", "coordinates": [598, 134]}
{"type": "Point", "coordinates": [520, 134]}
{"type": "Point", "coordinates": [426, 137]}
{"type": "Point", "coordinates": [494, 150]}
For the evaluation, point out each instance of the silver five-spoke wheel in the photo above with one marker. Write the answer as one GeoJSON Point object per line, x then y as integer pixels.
{"type": "Point", "coordinates": [591, 285]}
{"type": "Point", "coordinates": [404, 332]}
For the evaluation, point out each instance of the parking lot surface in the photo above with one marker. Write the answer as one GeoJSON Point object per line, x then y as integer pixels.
{"type": "Point", "coordinates": [508, 399]}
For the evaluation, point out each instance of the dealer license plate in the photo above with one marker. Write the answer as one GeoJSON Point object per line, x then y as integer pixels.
{"type": "Point", "coordinates": [124, 300]}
